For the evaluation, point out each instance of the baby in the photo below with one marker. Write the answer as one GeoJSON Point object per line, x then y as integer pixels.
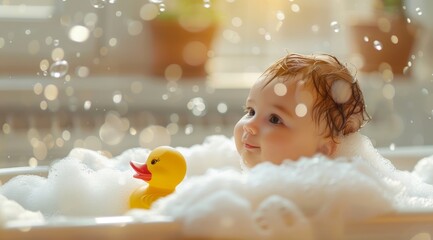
{"type": "Point", "coordinates": [301, 106]}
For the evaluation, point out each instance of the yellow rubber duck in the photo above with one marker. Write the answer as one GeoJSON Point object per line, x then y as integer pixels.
{"type": "Point", "coordinates": [164, 169]}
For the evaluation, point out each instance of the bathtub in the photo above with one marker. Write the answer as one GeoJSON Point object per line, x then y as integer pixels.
{"type": "Point", "coordinates": [404, 225]}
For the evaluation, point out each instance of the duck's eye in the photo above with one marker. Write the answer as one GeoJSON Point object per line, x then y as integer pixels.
{"type": "Point", "coordinates": [154, 161]}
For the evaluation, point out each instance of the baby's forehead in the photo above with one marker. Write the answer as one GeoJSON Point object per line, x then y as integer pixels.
{"type": "Point", "coordinates": [284, 84]}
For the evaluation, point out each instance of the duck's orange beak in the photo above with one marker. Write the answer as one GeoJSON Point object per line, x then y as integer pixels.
{"type": "Point", "coordinates": [142, 171]}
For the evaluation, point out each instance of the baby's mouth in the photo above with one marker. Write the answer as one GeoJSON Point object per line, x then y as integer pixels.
{"type": "Point", "coordinates": [249, 146]}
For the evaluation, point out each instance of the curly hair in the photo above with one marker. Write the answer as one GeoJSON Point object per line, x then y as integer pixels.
{"type": "Point", "coordinates": [339, 100]}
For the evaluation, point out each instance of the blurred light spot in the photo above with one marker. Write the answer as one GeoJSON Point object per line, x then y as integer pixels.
{"type": "Point", "coordinates": [394, 39]}
{"type": "Point", "coordinates": [48, 41]}
{"type": "Point", "coordinates": [90, 20]}
{"type": "Point", "coordinates": [79, 33]}
{"type": "Point", "coordinates": [33, 47]}
{"type": "Point", "coordinates": [421, 236]}
{"type": "Point", "coordinates": [268, 37]}
{"type": "Point", "coordinates": [44, 64]}
{"type": "Point", "coordinates": [33, 162]}
{"type": "Point", "coordinates": [117, 97]}
{"type": "Point", "coordinates": [236, 22]}
{"type": "Point", "coordinates": [136, 87]}
{"type": "Point", "coordinates": [103, 51]}
{"type": "Point", "coordinates": [280, 89]}
{"type": "Point", "coordinates": [43, 105]}
{"type": "Point", "coordinates": [335, 26]}
{"type": "Point", "coordinates": [377, 45]}
{"type": "Point", "coordinates": [51, 92]}
{"type": "Point", "coordinates": [173, 72]}
{"type": "Point", "coordinates": [387, 75]}
{"type": "Point", "coordinates": [341, 91]}
{"type": "Point", "coordinates": [40, 150]}
{"type": "Point", "coordinates": [66, 135]}
{"type": "Point", "coordinates": [60, 142]}
{"type": "Point", "coordinates": [366, 39]}
{"type": "Point", "coordinates": [384, 24]}
{"type": "Point", "coordinates": [231, 36]}
{"type": "Point", "coordinates": [301, 110]}
{"type": "Point", "coordinates": [315, 28]}
{"type": "Point", "coordinates": [135, 28]}
{"type": "Point", "coordinates": [173, 128]}
{"type": "Point", "coordinates": [132, 131]}
{"type": "Point", "coordinates": [392, 147]}
{"type": "Point", "coordinates": [388, 91]}
{"type": "Point", "coordinates": [295, 8]}
{"type": "Point", "coordinates": [154, 136]}
{"type": "Point", "coordinates": [113, 130]}
{"type": "Point", "coordinates": [6, 128]}
{"type": "Point", "coordinates": [222, 107]}
{"type": "Point", "coordinates": [424, 91]}
{"type": "Point", "coordinates": [189, 129]}
{"type": "Point", "coordinates": [118, 13]}
{"type": "Point", "coordinates": [149, 11]}
{"type": "Point", "coordinates": [57, 54]}
{"type": "Point", "coordinates": [38, 88]}
{"type": "Point", "coordinates": [2, 42]}
{"type": "Point", "coordinates": [98, 32]}
{"type": "Point", "coordinates": [59, 69]}
{"type": "Point", "coordinates": [83, 72]}
{"type": "Point", "coordinates": [175, 117]}
{"type": "Point", "coordinates": [418, 11]}
{"type": "Point", "coordinates": [195, 53]}
{"type": "Point", "coordinates": [87, 105]}
{"type": "Point", "coordinates": [69, 91]}
{"type": "Point", "coordinates": [408, 20]}
{"type": "Point", "coordinates": [197, 106]}
{"type": "Point", "coordinates": [112, 42]}
{"type": "Point", "coordinates": [195, 88]}
{"type": "Point", "coordinates": [280, 15]}
{"type": "Point", "coordinates": [92, 142]}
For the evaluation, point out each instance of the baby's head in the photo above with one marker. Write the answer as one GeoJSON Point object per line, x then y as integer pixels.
{"type": "Point", "coordinates": [301, 106]}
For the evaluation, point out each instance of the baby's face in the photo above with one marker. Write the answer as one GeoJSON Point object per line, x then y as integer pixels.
{"type": "Point", "coordinates": [278, 123]}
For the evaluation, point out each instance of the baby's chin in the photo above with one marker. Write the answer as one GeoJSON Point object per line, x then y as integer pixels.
{"type": "Point", "coordinates": [248, 163]}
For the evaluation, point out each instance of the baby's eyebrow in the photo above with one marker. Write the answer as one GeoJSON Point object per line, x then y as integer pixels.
{"type": "Point", "coordinates": [284, 110]}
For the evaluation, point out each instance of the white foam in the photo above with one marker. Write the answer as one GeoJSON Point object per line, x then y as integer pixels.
{"type": "Point", "coordinates": [219, 199]}
{"type": "Point", "coordinates": [11, 211]}
{"type": "Point", "coordinates": [424, 169]}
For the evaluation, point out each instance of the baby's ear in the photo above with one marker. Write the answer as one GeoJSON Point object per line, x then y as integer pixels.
{"type": "Point", "coordinates": [327, 147]}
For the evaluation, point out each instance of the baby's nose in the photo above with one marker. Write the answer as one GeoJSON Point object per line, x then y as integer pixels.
{"type": "Point", "coordinates": [250, 128]}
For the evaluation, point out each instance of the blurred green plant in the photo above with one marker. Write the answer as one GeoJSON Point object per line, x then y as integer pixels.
{"type": "Point", "coordinates": [391, 7]}
{"type": "Point", "coordinates": [193, 15]}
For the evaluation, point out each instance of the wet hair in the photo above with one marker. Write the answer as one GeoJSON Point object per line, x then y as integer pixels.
{"type": "Point", "coordinates": [338, 101]}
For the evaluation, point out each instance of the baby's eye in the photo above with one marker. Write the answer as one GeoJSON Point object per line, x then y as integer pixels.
{"type": "Point", "coordinates": [249, 111]}
{"type": "Point", "coordinates": [274, 119]}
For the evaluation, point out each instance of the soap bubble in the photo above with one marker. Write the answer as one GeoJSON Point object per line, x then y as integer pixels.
{"type": "Point", "coordinates": [377, 45]}
{"type": "Point", "coordinates": [335, 26]}
{"type": "Point", "coordinates": [197, 106]}
{"type": "Point", "coordinates": [98, 3]}
{"type": "Point", "coordinates": [59, 69]}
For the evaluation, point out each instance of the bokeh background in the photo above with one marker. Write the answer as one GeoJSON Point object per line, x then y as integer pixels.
{"type": "Point", "coordinates": [111, 75]}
